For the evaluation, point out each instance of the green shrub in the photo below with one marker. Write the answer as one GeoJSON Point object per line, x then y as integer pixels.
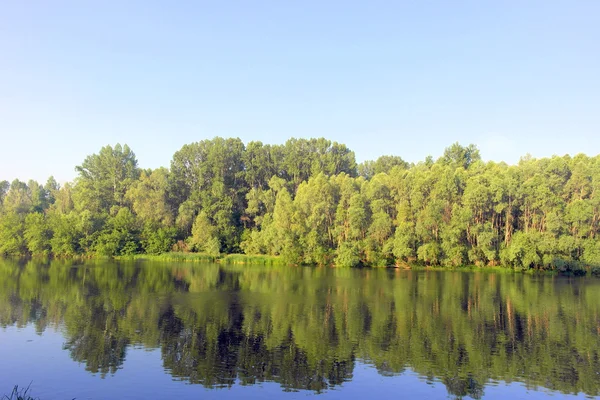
{"type": "Point", "coordinates": [569, 267]}
{"type": "Point", "coordinates": [158, 241]}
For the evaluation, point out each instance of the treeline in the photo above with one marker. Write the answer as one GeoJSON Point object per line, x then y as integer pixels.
{"type": "Point", "coordinates": [310, 202]}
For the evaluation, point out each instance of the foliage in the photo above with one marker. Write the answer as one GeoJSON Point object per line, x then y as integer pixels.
{"type": "Point", "coordinates": [308, 202]}
{"type": "Point", "coordinates": [158, 240]}
{"type": "Point", "coordinates": [105, 177]}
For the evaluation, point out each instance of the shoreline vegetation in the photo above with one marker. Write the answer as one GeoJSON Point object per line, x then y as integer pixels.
{"type": "Point", "coordinates": [308, 202]}
{"type": "Point", "coordinates": [278, 261]}
{"type": "Point", "coordinates": [241, 259]}
{"type": "Point", "coordinates": [245, 259]}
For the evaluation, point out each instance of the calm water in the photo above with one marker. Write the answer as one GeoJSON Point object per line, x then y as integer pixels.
{"type": "Point", "coordinates": [148, 330]}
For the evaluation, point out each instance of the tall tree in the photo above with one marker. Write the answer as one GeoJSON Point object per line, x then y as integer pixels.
{"type": "Point", "coordinates": [460, 156]}
{"type": "Point", "coordinates": [105, 177]}
{"type": "Point", "coordinates": [209, 176]}
{"type": "Point", "coordinates": [149, 197]}
{"type": "Point", "coordinates": [383, 164]}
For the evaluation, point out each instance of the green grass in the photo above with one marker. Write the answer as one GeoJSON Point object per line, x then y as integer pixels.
{"type": "Point", "coordinates": [171, 256]}
{"type": "Point", "coordinates": [252, 259]}
{"type": "Point", "coordinates": [488, 268]}
{"type": "Point", "coordinates": [206, 258]}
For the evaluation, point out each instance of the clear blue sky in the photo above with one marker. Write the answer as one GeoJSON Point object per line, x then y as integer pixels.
{"type": "Point", "coordinates": [396, 77]}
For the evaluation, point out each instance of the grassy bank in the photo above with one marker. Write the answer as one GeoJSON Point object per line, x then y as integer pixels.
{"type": "Point", "coordinates": [579, 271]}
{"type": "Point", "coordinates": [206, 258]}
{"type": "Point", "coordinates": [171, 256]}
{"type": "Point", "coordinates": [252, 259]}
{"type": "Point", "coordinates": [572, 269]}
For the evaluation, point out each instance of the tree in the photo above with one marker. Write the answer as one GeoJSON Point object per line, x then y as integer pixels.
{"type": "Point", "coordinates": [4, 186]}
{"type": "Point", "coordinates": [459, 156]}
{"type": "Point", "coordinates": [18, 199]}
{"type": "Point", "coordinates": [383, 164]}
{"type": "Point", "coordinates": [259, 165]}
{"type": "Point", "coordinates": [352, 220]}
{"type": "Point", "coordinates": [12, 241]}
{"type": "Point", "coordinates": [120, 236]}
{"type": "Point", "coordinates": [284, 231]}
{"type": "Point", "coordinates": [51, 188]}
{"type": "Point", "coordinates": [149, 197]}
{"type": "Point", "coordinates": [304, 202]}
{"type": "Point", "coordinates": [209, 176]}
{"type": "Point", "coordinates": [104, 178]}
{"type": "Point", "coordinates": [204, 236]}
{"type": "Point", "coordinates": [304, 158]}
{"type": "Point", "coordinates": [37, 234]}
{"type": "Point", "coordinates": [315, 207]}
{"type": "Point", "coordinates": [65, 234]}
{"type": "Point", "coordinates": [157, 241]}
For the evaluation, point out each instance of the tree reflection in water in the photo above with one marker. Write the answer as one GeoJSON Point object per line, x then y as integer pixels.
{"type": "Point", "coordinates": [304, 328]}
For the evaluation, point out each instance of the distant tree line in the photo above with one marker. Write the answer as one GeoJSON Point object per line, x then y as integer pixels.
{"type": "Point", "coordinates": [310, 202]}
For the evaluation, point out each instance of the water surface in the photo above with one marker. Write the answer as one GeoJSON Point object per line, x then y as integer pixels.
{"type": "Point", "coordinates": [149, 330]}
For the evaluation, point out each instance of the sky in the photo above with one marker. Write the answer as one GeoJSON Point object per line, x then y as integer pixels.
{"type": "Point", "coordinates": [407, 78]}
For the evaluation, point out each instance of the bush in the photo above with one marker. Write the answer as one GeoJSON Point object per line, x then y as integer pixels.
{"type": "Point", "coordinates": [430, 253]}
{"type": "Point", "coordinates": [158, 241]}
{"type": "Point", "coordinates": [569, 267]}
{"type": "Point", "coordinates": [347, 255]}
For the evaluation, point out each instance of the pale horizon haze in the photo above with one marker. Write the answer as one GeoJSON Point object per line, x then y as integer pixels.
{"type": "Point", "coordinates": [383, 77]}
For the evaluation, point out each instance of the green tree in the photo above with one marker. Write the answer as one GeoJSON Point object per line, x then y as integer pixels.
{"type": "Point", "coordinates": [460, 156]}
{"type": "Point", "coordinates": [315, 210]}
{"type": "Point", "coordinates": [66, 235]}
{"type": "Point", "coordinates": [19, 198]}
{"type": "Point", "coordinates": [120, 236]}
{"type": "Point", "coordinates": [149, 197]}
{"type": "Point", "coordinates": [205, 236]}
{"type": "Point", "coordinates": [383, 164]}
{"type": "Point", "coordinates": [158, 240]}
{"type": "Point", "coordinates": [105, 177]}
{"type": "Point", "coordinates": [12, 241]}
{"type": "Point", "coordinates": [4, 187]}
{"type": "Point", "coordinates": [209, 176]}
{"type": "Point", "coordinates": [37, 234]}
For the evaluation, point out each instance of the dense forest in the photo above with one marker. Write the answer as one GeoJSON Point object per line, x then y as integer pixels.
{"type": "Point", "coordinates": [306, 328]}
{"type": "Point", "coordinates": [309, 202]}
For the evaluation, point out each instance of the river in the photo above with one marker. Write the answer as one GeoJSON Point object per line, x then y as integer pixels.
{"type": "Point", "coordinates": [140, 330]}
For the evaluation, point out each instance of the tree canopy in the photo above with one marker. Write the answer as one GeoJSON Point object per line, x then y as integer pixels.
{"type": "Point", "coordinates": [308, 201]}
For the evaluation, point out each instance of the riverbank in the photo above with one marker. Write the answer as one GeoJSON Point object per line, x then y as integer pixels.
{"type": "Point", "coordinates": [207, 258]}
{"type": "Point", "coordinates": [244, 259]}
{"type": "Point", "coordinates": [571, 269]}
